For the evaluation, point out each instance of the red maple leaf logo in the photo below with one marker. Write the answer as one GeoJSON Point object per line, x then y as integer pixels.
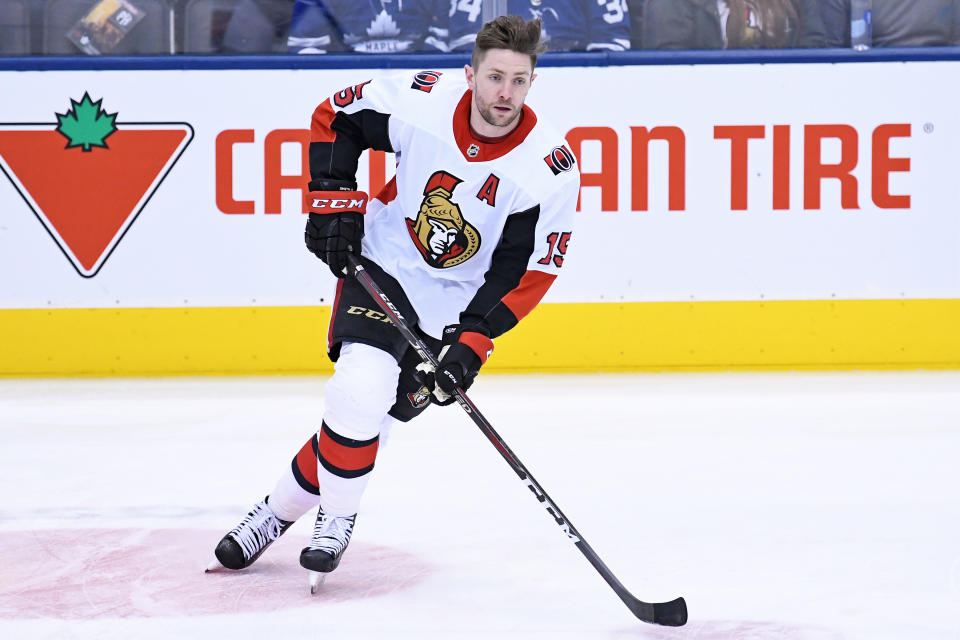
{"type": "Point", "coordinates": [88, 192]}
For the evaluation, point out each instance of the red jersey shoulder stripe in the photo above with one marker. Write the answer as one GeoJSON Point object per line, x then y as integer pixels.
{"type": "Point", "coordinates": [528, 293]}
{"type": "Point", "coordinates": [323, 116]}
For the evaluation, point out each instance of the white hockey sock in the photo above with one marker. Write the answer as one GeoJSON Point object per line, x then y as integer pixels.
{"type": "Point", "coordinates": [334, 466]}
{"type": "Point", "coordinates": [289, 500]}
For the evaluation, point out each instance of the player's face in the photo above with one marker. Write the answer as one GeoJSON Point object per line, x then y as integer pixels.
{"type": "Point", "coordinates": [500, 84]}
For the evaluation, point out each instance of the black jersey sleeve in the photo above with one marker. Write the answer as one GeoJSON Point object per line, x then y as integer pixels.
{"type": "Point", "coordinates": [487, 312]}
{"type": "Point", "coordinates": [342, 127]}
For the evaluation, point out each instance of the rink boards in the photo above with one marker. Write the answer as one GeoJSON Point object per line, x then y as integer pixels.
{"type": "Point", "coordinates": [731, 216]}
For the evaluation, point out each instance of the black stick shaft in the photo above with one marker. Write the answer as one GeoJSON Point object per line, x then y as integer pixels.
{"type": "Point", "coordinates": [673, 613]}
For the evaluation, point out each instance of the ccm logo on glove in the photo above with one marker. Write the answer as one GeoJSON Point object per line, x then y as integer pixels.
{"type": "Point", "coordinates": [320, 202]}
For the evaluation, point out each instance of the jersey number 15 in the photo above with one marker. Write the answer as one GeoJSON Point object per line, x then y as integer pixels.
{"type": "Point", "coordinates": [558, 248]}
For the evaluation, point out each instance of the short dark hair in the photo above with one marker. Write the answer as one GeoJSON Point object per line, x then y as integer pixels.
{"type": "Point", "coordinates": [509, 32]}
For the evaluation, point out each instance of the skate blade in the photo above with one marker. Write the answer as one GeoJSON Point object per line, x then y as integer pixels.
{"type": "Point", "coordinates": [316, 581]}
{"type": "Point", "coordinates": [213, 566]}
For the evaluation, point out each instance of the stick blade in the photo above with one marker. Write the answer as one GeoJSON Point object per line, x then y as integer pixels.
{"type": "Point", "coordinates": [668, 614]}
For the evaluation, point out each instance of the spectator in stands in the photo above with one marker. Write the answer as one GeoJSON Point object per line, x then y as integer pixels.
{"type": "Point", "coordinates": [257, 26]}
{"type": "Point", "coordinates": [568, 25]}
{"type": "Point", "coordinates": [732, 24]}
{"type": "Point", "coordinates": [898, 23]}
{"type": "Point", "coordinates": [234, 26]}
{"type": "Point", "coordinates": [636, 23]}
{"type": "Point", "coordinates": [378, 26]}
{"type": "Point", "coordinates": [14, 28]}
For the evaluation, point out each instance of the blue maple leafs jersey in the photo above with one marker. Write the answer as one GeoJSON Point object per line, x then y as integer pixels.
{"type": "Point", "coordinates": [568, 25]}
{"type": "Point", "coordinates": [365, 26]}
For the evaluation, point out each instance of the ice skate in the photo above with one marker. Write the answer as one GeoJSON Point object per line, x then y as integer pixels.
{"type": "Point", "coordinates": [331, 535]}
{"type": "Point", "coordinates": [244, 544]}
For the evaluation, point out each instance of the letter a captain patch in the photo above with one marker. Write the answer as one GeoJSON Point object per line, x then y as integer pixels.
{"type": "Point", "coordinates": [488, 192]}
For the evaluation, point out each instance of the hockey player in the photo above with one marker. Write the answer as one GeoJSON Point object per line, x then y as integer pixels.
{"type": "Point", "coordinates": [380, 26]}
{"type": "Point", "coordinates": [465, 240]}
{"type": "Point", "coordinates": [568, 25]}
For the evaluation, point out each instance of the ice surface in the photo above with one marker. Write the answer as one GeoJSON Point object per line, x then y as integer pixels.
{"type": "Point", "coordinates": [787, 505]}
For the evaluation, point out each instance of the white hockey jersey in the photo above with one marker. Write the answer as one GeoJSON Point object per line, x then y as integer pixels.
{"type": "Point", "coordinates": [474, 229]}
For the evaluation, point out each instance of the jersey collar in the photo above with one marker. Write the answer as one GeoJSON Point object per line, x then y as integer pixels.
{"type": "Point", "coordinates": [477, 148]}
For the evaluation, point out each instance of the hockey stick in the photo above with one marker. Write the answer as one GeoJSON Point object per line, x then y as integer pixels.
{"type": "Point", "coordinates": [671, 614]}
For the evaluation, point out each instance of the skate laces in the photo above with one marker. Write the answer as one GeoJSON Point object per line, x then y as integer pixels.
{"type": "Point", "coordinates": [259, 528]}
{"type": "Point", "coordinates": [332, 533]}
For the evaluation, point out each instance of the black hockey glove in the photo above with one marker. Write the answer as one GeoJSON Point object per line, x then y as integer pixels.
{"type": "Point", "coordinates": [463, 353]}
{"type": "Point", "coordinates": [335, 222]}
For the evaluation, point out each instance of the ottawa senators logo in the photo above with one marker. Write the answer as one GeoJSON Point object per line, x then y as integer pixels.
{"type": "Point", "coordinates": [425, 80]}
{"type": "Point", "coordinates": [440, 232]}
{"type": "Point", "coordinates": [560, 159]}
{"type": "Point", "coordinates": [419, 398]}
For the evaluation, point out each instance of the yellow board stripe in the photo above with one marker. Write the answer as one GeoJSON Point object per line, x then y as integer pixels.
{"type": "Point", "coordinates": [817, 334]}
